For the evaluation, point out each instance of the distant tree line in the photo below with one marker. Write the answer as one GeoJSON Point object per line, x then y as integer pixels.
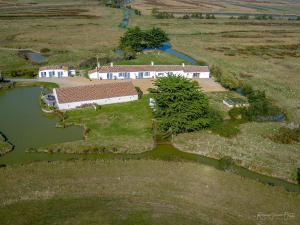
{"type": "Point", "coordinates": [114, 3]}
{"type": "Point", "coordinates": [161, 15]}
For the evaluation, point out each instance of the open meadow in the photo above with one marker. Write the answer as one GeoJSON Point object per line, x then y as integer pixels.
{"type": "Point", "coordinates": [138, 192]}
{"type": "Point", "coordinates": [220, 6]}
{"type": "Point", "coordinates": [116, 179]}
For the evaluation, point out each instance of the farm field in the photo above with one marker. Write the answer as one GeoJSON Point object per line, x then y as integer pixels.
{"type": "Point", "coordinates": [138, 192]}
{"type": "Point", "coordinates": [72, 30]}
{"type": "Point", "coordinates": [218, 6]}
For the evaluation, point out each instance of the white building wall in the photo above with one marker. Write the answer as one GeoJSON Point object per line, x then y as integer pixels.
{"type": "Point", "coordinates": [65, 73]}
{"type": "Point", "coordinates": [73, 105]}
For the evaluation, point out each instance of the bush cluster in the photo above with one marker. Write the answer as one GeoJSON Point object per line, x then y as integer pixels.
{"type": "Point", "coordinates": [45, 50]}
{"type": "Point", "coordinates": [199, 16]}
{"type": "Point", "coordinates": [161, 15]}
{"type": "Point", "coordinates": [92, 62]}
{"type": "Point", "coordinates": [227, 80]}
{"type": "Point", "coordinates": [286, 136]}
{"type": "Point", "coordinates": [114, 3]}
{"type": "Point", "coordinates": [20, 73]}
{"type": "Point", "coordinates": [139, 91]}
{"type": "Point", "coordinates": [136, 39]}
{"type": "Point", "coordinates": [260, 107]}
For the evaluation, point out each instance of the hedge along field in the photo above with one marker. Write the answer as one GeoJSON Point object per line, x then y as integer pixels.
{"type": "Point", "coordinates": [72, 30]}
{"type": "Point", "coordinates": [137, 192]}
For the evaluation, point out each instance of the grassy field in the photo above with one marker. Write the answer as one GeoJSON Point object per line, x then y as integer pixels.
{"type": "Point", "coordinates": [262, 59]}
{"type": "Point", "coordinates": [158, 57]}
{"type": "Point", "coordinates": [264, 54]}
{"type": "Point", "coordinates": [122, 127]}
{"type": "Point", "coordinates": [218, 6]}
{"type": "Point", "coordinates": [251, 149]}
{"type": "Point", "coordinates": [138, 192]}
{"type": "Point", "coordinates": [72, 30]}
{"type": "Point", "coordinates": [4, 147]}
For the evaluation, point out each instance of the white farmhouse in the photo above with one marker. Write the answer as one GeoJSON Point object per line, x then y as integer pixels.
{"type": "Point", "coordinates": [148, 71]}
{"type": "Point", "coordinates": [56, 71]}
{"type": "Point", "coordinates": [100, 94]}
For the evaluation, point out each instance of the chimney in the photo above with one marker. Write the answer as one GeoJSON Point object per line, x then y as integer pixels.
{"type": "Point", "coordinates": [183, 65]}
{"type": "Point", "coordinates": [111, 64]}
{"type": "Point", "coordinates": [152, 63]}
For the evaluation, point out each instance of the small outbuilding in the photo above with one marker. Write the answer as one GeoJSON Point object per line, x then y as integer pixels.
{"type": "Point", "coordinates": [56, 71]}
{"type": "Point", "coordinates": [99, 94]}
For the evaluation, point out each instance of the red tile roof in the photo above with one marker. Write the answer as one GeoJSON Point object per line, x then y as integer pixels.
{"type": "Point", "coordinates": [55, 67]}
{"type": "Point", "coordinates": [94, 92]}
{"type": "Point", "coordinates": [147, 68]}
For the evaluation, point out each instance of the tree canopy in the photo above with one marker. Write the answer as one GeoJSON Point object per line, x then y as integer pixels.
{"type": "Point", "coordinates": [137, 39]}
{"type": "Point", "coordinates": [180, 105]}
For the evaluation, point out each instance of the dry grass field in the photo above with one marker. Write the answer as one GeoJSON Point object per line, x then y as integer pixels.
{"type": "Point", "coordinates": [250, 149]}
{"type": "Point", "coordinates": [265, 54]}
{"type": "Point", "coordinates": [138, 192]}
{"type": "Point", "coordinates": [218, 6]}
{"type": "Point", "coordinates": [72, 30]}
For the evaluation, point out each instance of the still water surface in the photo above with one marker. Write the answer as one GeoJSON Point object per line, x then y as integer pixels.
{"type": "Point", "coordinates": [24, 124]}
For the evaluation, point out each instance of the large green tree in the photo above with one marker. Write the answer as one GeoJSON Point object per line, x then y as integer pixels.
{"type": "Point", "coordinates": [155, 37]}
{"type": "Point", "coordinates": [180, 105]}
{"type": "Point", "coordinates": [134, 39]}
{"type": "Point", "coordinates": [137, 39]}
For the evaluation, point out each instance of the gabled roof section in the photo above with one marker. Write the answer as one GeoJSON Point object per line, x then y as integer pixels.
{"type": "Point", "coordinates": [94, 92]}
{"type": "Point", "coordinates": [148, 68]}
{"type": "Point", "coordinates": [55, 67]}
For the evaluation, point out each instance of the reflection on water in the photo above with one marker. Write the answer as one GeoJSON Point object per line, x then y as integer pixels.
{"type": "Point", "coordinates": [24, 124]}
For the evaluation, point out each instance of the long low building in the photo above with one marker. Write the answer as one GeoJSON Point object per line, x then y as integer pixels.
{"type": "Point", "coordinates": [148, 71]}
{"type": "Point", "coordinates": [100, 94]}
{"type": "Point", "coordinates": [56, 71]}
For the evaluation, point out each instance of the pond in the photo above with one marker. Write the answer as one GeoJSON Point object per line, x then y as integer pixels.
{"type": "Point", "coordinates": [24, 124]}
{"type": "Point", "coordinates": [34, 57]}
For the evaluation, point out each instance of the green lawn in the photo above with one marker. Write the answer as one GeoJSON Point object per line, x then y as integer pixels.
{"type": "Point", "coordinates": [136, 192]}
{"type": "Point", "coordinates": [4, 147]}
{"type": "Point", "coordinates": [158, 57]}
{"type": "Point", "coordinates": [122, 127]}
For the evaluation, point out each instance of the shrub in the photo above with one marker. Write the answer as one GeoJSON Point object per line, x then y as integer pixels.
{"type": "Point", "coordinates": [20, 73]}
{"type": "Point", "coordinates": [45, 50]}
{"type": "Point", "coordinates": [261, 108]}
{"type": "Point", "coordinates": [92, 62]}
{"type": "Point", "coordinates": [286, 136]}
{"type": "Point", "coordinates": [201, 62]}
{"type": "Point", "coordinates": [236, 113]}
{"type": "Point", "coordinates": [137, 12]}
{"type": "Point", "coordinates": [186, 16]}
{"type": "Point", "coordinates": [197, 15]}
{"type": "Point", "coordinates": [227, 80]}
{"type": "Point", "coordinates": [139, 91]}
{"type": "Point", "coordinates": [226, 128]}
{"type": "Point", "coordinates": [161, 15]}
